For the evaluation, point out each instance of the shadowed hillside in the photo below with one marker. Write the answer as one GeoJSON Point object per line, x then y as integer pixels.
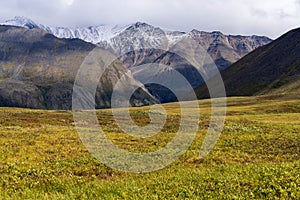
{"type": "Point", "coordinates": [271, 69]}
{"type": "Point", "coordinates": [37, 70]}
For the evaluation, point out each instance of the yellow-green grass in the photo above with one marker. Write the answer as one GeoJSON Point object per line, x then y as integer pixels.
{"type": "Point", "coordinates": [256, 157]}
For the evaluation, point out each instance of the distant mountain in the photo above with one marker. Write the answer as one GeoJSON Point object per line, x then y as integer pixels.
{"type": "Point", "coordinates": [271, 69]}
{"type": "Point", "coordinates": [224, 50]}
{"type": "Point", "coordinates": [227, 49]}
{"type": "Point", "coordinates": [37, 70]}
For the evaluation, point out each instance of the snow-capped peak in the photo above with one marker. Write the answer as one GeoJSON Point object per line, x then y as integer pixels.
{"type": "Point", "coordinates": [93, 34]}
{"type": "Point", "coordinates": [21, 21]}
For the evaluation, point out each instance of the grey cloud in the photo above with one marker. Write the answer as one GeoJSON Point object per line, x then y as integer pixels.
{"type": "Point", "coordinates": [268, 17]}
{"type": "Point", "coordinates": [282, 14]}
{"type": "Point", "coordinates": [258, 12]}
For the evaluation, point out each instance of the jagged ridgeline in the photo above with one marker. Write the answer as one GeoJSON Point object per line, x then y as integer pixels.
{"type": "Point", "coordinates": [224, 49]}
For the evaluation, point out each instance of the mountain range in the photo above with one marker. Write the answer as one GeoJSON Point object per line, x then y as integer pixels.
{"type": "Point", "coordinates": [38, 64]}
{"type": "Point", "coordinates": [224, 49]}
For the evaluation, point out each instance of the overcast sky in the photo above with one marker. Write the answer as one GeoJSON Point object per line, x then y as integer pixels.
{"type": "Point", "coordinates": [262, 17]}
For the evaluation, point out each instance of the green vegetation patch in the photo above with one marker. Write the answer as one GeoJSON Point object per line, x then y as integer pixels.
{"type": "Point", "coordinates": [256, 157]}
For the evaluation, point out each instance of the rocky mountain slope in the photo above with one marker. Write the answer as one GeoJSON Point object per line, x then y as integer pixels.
{"type": "Point", "coordinates": [271, 69]}
{"type": "Point", "coordinates": [227, 49]}
{"type": "Point", "coordinates": [37, 70]}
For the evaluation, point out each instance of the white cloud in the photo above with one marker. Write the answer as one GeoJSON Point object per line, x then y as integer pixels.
{"type": "Point", "coordinates": [68, 2]}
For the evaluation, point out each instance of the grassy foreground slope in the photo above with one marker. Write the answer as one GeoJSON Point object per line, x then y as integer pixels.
{"type": "Point", "coordinates": [257, 156]}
